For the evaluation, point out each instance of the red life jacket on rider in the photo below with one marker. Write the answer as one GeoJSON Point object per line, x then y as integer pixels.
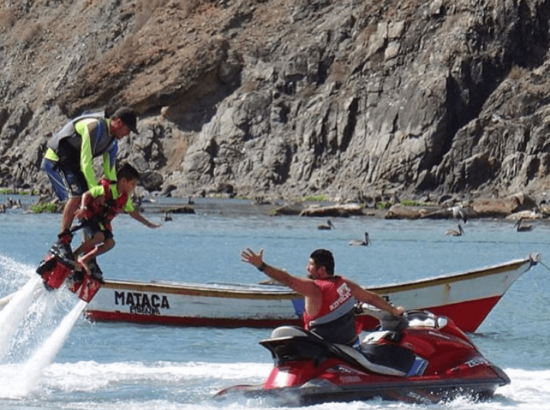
{"type": "Point", "coordinates": [104, 211]}
{"type": "Point", "coordinates": [335, 321]}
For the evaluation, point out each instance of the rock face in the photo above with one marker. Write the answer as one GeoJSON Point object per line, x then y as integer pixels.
{"type": "Point", "coordinates": [350, 99]}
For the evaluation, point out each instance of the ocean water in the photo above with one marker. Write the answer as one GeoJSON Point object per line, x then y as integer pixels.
{"type": "Point", "coordinates": [51, 357]}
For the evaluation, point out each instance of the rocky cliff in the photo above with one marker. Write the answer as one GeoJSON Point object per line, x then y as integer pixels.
{"type": "Point", "coordinates": [349, 99]}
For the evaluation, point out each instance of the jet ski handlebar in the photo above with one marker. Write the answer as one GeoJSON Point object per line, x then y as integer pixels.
{"type": "Point", "coordinates": [411, 318]}
{"type": "Point", "coordinates": [387, 320]}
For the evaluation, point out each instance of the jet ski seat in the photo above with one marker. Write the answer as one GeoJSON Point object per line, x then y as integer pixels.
{"type": "Point", "coordinates": [382, 359]}
{"type": "Point", "coordinates": [288, 331]}
{"type": "Point", "coordinates": [373, 363]}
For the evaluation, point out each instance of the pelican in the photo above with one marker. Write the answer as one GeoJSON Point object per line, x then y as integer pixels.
{"type": "Point", "coordinates": [521, 227]}
{"type": "Point", "coordinates": [327, 226]}
{"type": "Point", "coordinates": [452, 232]}
{"type": "Point", "coordinates": [358, 242]}
{"type": "Point", "coordinates": [458, 212]}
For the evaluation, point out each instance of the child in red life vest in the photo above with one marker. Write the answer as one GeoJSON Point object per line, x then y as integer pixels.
{"type": "Point", "coordinates": [98, 208]}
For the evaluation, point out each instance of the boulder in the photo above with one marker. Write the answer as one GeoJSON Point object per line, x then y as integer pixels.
{"type": "Point", "coordinates": [186, 209]}
{"type": "Point", "coordinates": [503, 207]}
{"type": "Point", "coordinates": [531, 215]}
{"type": "Point", "coordinates": [292, 209]}
{"type": "Point", "coordinates": [399, 211]}
{"type": "Point", "coordinates": [344, 210]}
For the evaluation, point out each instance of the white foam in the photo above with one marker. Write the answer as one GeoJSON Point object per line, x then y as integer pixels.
{"type": "Point", "coordinates": [88, 375]}
{"type": "Point", "coordinates": [47, 352]}
{"type": "Point", "coordinates": [14, 312]}
{"type": "Point", "coordinates": [32, 329]}
{"type": "Point", "coordinates": [196, 382]}
{"type": "Point", "coordinates": [14, 273]}
{"type": "Point", "coordinates": [531, 387]}
{"type": "Point", "coordinates": [22, 379]}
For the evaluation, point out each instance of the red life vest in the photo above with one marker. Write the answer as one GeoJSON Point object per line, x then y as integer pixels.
{"type": "Point", "coordinates": [104, 213]}
{"type": "Point", "coordinates": [336, 297]}
{"type": "Point", "coordinates": [335, 321]}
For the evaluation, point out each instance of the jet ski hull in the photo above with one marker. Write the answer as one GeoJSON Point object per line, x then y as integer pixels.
{"type": "Point", "coordinates": [428, 361]}
{"type": "Point", "coordinates": [421, 392]}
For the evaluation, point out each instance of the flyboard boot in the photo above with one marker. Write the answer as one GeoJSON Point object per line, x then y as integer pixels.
{"type": "Point", "coordinates": [59, 265]}
{"type": "Point", "coordinates": [86, 286]}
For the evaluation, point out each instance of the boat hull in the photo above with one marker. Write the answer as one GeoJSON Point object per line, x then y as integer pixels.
{"type": "Point", "coordinates": [467, 298]}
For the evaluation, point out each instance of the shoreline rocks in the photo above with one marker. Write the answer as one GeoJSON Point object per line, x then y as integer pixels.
{"type": "Point", "coordinates": [514, 207]}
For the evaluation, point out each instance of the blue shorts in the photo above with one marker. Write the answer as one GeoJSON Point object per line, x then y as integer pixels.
{"type": "Point", "coordinates": [91, 228]}
{"type": "Point", "coordinates": [65, 181]}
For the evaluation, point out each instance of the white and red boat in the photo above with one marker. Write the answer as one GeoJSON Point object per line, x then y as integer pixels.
{"type": "Point", "coordinates": [467, 298]}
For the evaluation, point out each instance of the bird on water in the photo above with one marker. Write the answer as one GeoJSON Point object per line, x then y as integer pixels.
{"type": "Point", "coordinates": [327, 226]}
{"type": "Point", "coordinates": [522, 227]}
{"type": "Point", "coordinates": [453, 232]}
{"type": "Point", "coordinates": [359, 242]}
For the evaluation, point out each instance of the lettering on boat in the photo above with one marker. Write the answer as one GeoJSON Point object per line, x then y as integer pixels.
{"type": "Point", "coordinates": [142, 303]}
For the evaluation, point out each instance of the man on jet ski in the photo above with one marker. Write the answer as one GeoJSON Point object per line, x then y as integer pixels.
{"type": "Point", "coordinates": [329, 299]}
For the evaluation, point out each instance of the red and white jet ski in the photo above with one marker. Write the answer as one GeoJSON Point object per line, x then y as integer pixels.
{"type": "Point", "coordinates": [55, 270]}
{"type": "Point", "coordinates": [422, 358]}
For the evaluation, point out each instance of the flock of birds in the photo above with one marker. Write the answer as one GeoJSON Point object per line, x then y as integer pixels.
{"type": "Point", "coordinates": [458, 213]}
{"type": "Point", "coordinates": [520, 225]}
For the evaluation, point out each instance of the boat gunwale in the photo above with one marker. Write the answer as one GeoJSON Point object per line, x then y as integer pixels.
{"type": "Point", "coordinates": [458, 277]}
{"type": "Point", "coordinates": [205, 290]}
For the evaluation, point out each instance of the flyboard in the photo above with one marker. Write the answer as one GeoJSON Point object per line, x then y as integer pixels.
{"type": "Point", "coordinates": [55, 270]}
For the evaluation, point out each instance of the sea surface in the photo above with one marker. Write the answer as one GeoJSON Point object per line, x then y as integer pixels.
{"type": "Point", "coordinates": [51, 357]}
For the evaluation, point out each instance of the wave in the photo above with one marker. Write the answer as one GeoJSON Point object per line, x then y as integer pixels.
{"type": "Point", "coordinates": [191, 385]}
{"type": "Point", "coordinates": [528, 387]}
{"type": "Point", "coordinates": [89, 375]}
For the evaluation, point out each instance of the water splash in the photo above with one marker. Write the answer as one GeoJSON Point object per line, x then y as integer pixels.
{"type": "Point", "coordinates": [14, 274]}
{"type": "Point", "coordinates": [32, 370]}
{"type": "Point", "coordinates": [27, 318]}
{"type": "Point", "coordinates": [40, 320]}
{"type": "Point", "coordinates": [14, 312]}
